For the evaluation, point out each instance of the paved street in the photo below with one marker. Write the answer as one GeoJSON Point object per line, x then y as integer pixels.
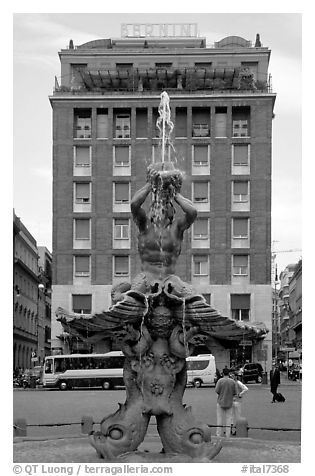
{"type": "Point", "coordinates": [53, 406]}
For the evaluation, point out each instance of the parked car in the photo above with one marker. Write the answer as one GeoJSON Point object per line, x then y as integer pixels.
{"type": "Point", "coordinates": [250, 372]}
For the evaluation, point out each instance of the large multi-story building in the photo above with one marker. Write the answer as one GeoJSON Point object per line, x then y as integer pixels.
{"type": "Point", "coordinates": [105, 108]}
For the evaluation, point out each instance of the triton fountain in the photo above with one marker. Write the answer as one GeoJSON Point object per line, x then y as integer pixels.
{"type": "Point", "coordinates": [158, 319]}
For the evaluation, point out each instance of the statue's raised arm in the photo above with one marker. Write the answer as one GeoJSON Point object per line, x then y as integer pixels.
{"type": "Point", "coordinates": [190, 213]}
{"type": "Point", "coordinates": [138, 213]}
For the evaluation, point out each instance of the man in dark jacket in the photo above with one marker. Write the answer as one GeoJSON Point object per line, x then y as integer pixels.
{"type": "Point", "coordinates": [274, 382]}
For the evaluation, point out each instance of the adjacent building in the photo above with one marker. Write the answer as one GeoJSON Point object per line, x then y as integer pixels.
{"type": "Point", "coordinates": [31, 309]}
{"type": "Point", "coordinates": [105, 107]}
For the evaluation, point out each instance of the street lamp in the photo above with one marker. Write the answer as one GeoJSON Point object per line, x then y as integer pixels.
{"type": "Point", "coordinates": [40, 289]}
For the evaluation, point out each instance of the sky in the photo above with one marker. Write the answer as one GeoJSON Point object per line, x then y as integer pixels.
{"type": "Point", "coordinates": [37, 38]}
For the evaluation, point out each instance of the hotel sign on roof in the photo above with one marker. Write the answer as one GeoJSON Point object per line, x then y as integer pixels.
{"type": "Point", "coordinates": [159, 30]}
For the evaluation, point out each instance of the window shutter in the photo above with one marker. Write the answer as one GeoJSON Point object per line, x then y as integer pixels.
{"type": "Point", "coordinates": [201, 191]}
{"type": "Point", "coordinates": [122, 192]}
{"type": "Point", "coordinates": [240, 301]}
{"type": "Point", "coordinates": [82, 156]}
{"type": "Point", "coordinates": [82, 229]}
{"type": "Point", "coordinates": [240, 260]}
{"type": "Point", "coordinates": [240, 188]}
{"type": "Point", "coordinates": [102, 125]}
{"type": "Point", "coordinates": [82, 264]}
{"type": "Point", "coordinates": [240, 154]}
{"type": "Point", "coordinates": [121, 265]}
{"type": "Point", "coordinates": [220, 125]}
{"type": "Point", "coordinates": [240, 227]}
{"type": "Point", "coordinates": [201, 227]}
{"type": "Point", "coordinates": [122, 155]}
{"type": "Point", "coordinates": [83, 190]}
{"type": "Point", "coordinates": [82, 303]}
{"type": "Point", "coordinates": [201, 154]}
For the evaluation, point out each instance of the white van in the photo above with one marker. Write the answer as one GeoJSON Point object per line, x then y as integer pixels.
{"type": "Point", "coordinates": [201, 370]}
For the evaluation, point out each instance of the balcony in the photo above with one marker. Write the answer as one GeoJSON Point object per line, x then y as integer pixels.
{"type": "Point", "coordinates": [152, 80]}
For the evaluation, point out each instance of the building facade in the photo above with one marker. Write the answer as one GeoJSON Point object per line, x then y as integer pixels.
{"type": "Point", "coordinates": [44, 324]}
{"type": "Point", "coordinates": [29, 300]}
{"type": "Point", "coordinates": [105, 108]}
{"type": "Point", "coordinates": [284, 305]}
{"type": "Point", "coordinates": [295, 304]}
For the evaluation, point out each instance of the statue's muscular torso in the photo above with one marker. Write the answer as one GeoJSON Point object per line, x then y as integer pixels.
{"type": "Point", "coordinates": [159, 249]}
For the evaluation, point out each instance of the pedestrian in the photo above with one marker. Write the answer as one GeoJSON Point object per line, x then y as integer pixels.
{"type": "Point", "coordinates": [226, 390]}
{"type": "Point", "coordinates": [274, 382]}
{"type": "Point", "coordinates": [241, 389]}
{"type": "Point", "coordinates": [218, 374]}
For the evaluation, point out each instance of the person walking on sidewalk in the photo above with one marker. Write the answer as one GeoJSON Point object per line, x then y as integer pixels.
{"type": "Point", "coordinates": [226, 390]}
{"type": "Point", "coordinates": [241, 389]}
{"type": "Point", "coordinates": [274, 382]}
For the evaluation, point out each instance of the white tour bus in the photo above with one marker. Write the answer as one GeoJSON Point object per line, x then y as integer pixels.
{"type": "Point", "coordinates": [84, 370]}
{"type": "Point", "coordinates": [201, 370]}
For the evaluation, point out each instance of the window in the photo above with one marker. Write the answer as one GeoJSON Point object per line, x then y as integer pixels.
{"type": "Point", "coordinates": [220, 121]}
{"type": "Point", "coordinates": [121, 228]}
{"type": "Point", "coordinates": [201, 121]}
{"type": "Point", "coordinates": [240, 121]}
{"type": "Point", "coordinates": [121, 156]}
{"type": "Point", "coordinates": [201, 130]}
{"type": "Point", "coordinates": [201, 157]}
{"type": "Point", "coordinates": [240, 128]}
{"type": "Point", "coordinates": [240, 228]}
{"type": "Point", "coordinates": [82, 303]}
{"type": "Point", "coordinates": [82, 229]}
{"type": "Point", "coordinates": [240, 154]}
{"type": "Point", "coordinates": [181, 122]}
{"type": "Point", "coordinates": [203, 65]}
{"type": "Point", "coordinates": [121, 265]}
{"type": "Point", "coordinates": [155, 116]}
{"type": "Point", "coordinates": [121, 192]}
{"type": "Point", "coordinates": [82, 156]}
{"type": "Point", "coordinates": [240, 265]}
{"type": "Point", "coordinates": [240, 191]}
{"type": "Point", "coordinates": [82, 123]}
{"type": "Point", "coordinates": [201, 229]}
{"type": "Point", "coordinates": [240, 307]}
{"type": "Point", "coordinates": [201, 192]}
{"type": "Point", "coordinates": [101, 123]}
{"type": "Point", "coordinates": [163, 65]}
{"type": "Point", "coordinates": [48, 366]}
{"type": "Point", "coordinates": [124, 66]}
{"type": "Point", "coordinates": [122, 126]}
{"type": "Point", "coordinates": [82, 192]}
{"type": "Point", "coordinates": [141, 123]}
{"type": "Point", "coordinates": [157, 153]}
{"type": "Point", "coordinates": [200, 265]}
{"type": "Point", "coordinates": [82, 266]}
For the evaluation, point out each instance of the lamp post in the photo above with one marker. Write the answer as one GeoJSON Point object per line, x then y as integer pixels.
{"type": "Point", "coordinates": [40, 289]}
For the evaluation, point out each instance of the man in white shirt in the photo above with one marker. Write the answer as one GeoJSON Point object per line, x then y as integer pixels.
{"type": "Point", "coordinates": [241, 389]}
